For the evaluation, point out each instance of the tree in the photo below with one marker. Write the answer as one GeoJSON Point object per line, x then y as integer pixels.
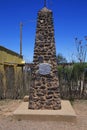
{"type": "Point", "coordinates": [61, 59]}
{"type": "Point", "coordinates": [81, 50]}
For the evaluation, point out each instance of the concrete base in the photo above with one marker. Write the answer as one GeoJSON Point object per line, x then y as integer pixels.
{"type": "Point", "coordinates": [65, 114]}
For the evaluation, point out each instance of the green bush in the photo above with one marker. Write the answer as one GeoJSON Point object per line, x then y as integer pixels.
{"type": "Point", "coordinates": [71, 78]}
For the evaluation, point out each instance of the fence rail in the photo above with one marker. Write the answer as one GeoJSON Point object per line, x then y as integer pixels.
{"type": "Point", "coordinates": [18, 84]}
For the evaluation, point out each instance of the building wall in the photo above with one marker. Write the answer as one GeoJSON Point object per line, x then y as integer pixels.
{"type": "Point", "coordinates": [8, 57]}
{"type": "Point", "coordinates": [11, 66]}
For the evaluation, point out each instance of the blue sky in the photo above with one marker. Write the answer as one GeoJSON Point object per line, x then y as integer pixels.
{"type": "Point", "coordinates": [70, 21]}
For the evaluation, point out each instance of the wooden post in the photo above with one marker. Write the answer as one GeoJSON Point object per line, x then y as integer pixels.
{"type": "Point", "coordinates": [21, 25]}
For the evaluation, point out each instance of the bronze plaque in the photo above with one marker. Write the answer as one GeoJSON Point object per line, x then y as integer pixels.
{"type": "Point", "coordinates": [44, 68]}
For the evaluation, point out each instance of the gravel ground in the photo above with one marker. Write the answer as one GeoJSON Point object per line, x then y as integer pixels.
{"type": "Point", "coordinates": [7, 122]}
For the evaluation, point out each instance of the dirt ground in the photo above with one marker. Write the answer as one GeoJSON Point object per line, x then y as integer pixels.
{"type": "Point", "coordinates": [7, 122]}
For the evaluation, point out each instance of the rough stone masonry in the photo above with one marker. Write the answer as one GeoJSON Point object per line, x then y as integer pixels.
{"type": "Point", "coordinates": [44, 90]}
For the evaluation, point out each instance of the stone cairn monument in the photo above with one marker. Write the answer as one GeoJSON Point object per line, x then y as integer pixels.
{"type": "Point", "coordinates": [44, 89]}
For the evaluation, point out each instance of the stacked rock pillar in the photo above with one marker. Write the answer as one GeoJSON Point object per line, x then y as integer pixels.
{"type": "Point", "coordinates": [44, 89]}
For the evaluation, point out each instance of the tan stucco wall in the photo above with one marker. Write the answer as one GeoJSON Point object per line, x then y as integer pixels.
{"type": "Point", "coordinates": [9, 58]}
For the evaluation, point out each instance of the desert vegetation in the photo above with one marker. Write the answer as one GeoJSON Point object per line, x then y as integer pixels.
{"type": "Point", "coordinates": [72, 82]}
